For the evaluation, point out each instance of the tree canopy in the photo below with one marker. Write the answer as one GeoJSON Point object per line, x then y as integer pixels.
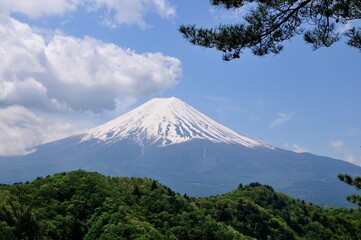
{"type": "Point", "coordinates": [83, 205]}
{"type": "Point", "coordinates": [268, 23]}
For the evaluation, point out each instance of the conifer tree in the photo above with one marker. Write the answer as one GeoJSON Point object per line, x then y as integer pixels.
{"type": "Point", "coordinates": [136, 191]}
{"type": "Point", "coordinates": [268, 23]}
{"type": "Point", "coordinates": [352, 181]}
{"type": "Point", "coordinates": [154, 185]}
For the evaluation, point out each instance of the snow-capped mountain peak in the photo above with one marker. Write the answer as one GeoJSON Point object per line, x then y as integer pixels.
{"type": "Point", "coordinates": [165, 121]}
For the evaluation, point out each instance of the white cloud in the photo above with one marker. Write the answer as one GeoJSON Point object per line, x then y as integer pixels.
{"type": "Point", "coordinates": [234, 14]}
{"type": "Point", "coordinates": [351, 158]}
{"type": "Point", "coordinates": [27, 92]}
{"type": "Point", "coordinates": [337, 145]}
{"type": "Point", "coordinates": [121, 12]}
{"type": "Point", "coordinates": [132, 11]}
{"type": "Point", "coordinates": [282, 119]}
{"type": "Point", "coordinates": [296, 148]}
{"type": "Point", "coordinates": [345, 152]}
{"type": "Point", "coordinates": [163, 8]}
{"type": "Point", "coordinates": [81, 74]}
{"type": "Point", "coordinates": [299, 149]}
{"type": "Point", "coordinates": [38, 8]}
{"type": "Point", "coordinates": [116, 12]}
{"type": "Point", "coordinates": [105, 70]}
{"type": "Point", "coordinates": [22, 129]}
{"type": "Point", "coordinates": [18, 128]}
{"type": "Point", "coordinates": [20, 48]}
{"type": "Point", "coordinates": [43, 78]}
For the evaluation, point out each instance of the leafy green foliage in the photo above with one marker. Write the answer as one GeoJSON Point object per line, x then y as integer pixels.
{"type": "Point", "coordinates": [270, 22]}
{"type": "Point", "coordinates": [83, 205]}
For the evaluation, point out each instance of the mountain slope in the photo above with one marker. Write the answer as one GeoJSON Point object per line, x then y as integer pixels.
{"type": "Point", "coordinates": [166, 121]}
{"type": "Point", "coordinates": [167, 140]}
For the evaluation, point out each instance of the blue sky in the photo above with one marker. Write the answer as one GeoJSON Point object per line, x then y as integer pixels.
{"type": "Point", "coordinates": [69, 65]}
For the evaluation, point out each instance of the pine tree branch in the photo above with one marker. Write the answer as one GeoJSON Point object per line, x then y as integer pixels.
{"type": "Point", "coordinates": [274, 21]}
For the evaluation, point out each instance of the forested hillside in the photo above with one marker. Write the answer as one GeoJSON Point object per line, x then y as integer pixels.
{"type": "Point", "coordinates": [84, 205]}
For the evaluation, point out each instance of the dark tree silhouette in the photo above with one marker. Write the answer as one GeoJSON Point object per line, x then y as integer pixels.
{"type": "Point", "coordinates": [352, 181]}
{"type": "Point", "coordinates": [271, 22]}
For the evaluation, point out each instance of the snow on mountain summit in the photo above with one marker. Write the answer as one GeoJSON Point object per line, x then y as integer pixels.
{"type": "Point", "coordinates": [165, 121]}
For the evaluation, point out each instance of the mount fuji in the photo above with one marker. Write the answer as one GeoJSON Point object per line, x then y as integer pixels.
{"type": "Point", "coordinates": [164, 122]}
{"type": "Point", "coordinates": [168, 140]}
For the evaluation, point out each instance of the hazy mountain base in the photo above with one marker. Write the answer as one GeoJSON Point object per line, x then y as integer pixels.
{"type": "Point", "coordinates": [84, 205]}
{"type": "Point", "coordinates": [198, 168]}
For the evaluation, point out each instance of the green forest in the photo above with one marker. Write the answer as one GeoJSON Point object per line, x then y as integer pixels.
{"type": "Point", "coordinates": [87, 205]}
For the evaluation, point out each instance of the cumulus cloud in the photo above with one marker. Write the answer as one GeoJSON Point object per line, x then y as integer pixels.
{"type": "Point", "coordinates": [105, 70]}
{"type": "Point", "coordinates": [27, 92]}
{"type": "Point", "coordinates": [44, 77]}
{"type": "Point", "coordinates": [20, 48]}
{"type": "Point", "coordinates": [165, 9]}
{"type": "Point", "coordinates": [17, 122]}
{"type": "Point", "coordinates": [22, 129]}
{"type": "Point", "coordinates": [38, 8]}
{"type": "Point", "coordinates": [116, 12]}
{"type": "Point", "coordinates": [76, 74]}
{"type": "Point", "coordinates": [282, 119]}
